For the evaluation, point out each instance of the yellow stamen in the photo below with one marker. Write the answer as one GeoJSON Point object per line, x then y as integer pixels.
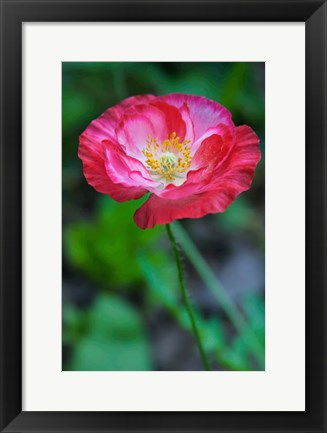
{"type": "Point", "coordinates": [169, 158]}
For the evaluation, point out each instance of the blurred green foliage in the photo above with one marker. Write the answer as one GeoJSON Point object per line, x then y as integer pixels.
{"type": "Point", "coordinates": [128, 272]}
{"type": "Point", "coordinates": [233, 354]}
{"type": "Point", "coordinates": [109, 336]}
{"type": "Point", "coordinates": [104, 248]}
{"type": "Point", "coordinates": [241, 217]}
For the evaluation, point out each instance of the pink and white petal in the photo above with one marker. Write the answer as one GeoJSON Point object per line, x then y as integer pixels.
{"type": "Point", "coordinates": [137, 124]}
{"type": "Point", "coordinates": [92, 155]}
{"type": "Point", "coordinates": [204, 112]}
{"type": "Point", "coordinates": [133, 133]}
{"type": "Point", "coordinates": [173, 119]}
{"type": "Point", "coordinates": [185, 112]}
{"type": "Point", "coordinates": [121, 194]}
{"type": "Point", "coordinates": [103, 128]}
{"type": "Point", "coordinates": [238, 168]}
{"type": "Point", "coordinates": [157, 210]}
{"type": "Point", "coordinates": [193, 184]}
{"type": "Point", "coordinates": [247, 146]}
{"type": "Point", "coordinates": [155, 116]}
{"type": "Point", "coordinates": [226, 132]}
{"type": "Point", "coordinates": [157, 120]}
{"type": "Point", "coordinates": [135, 100]}
{"type": "Point", "coordinates": [212, 152]}
{"type": "Point", "coordinates": [126, 170]}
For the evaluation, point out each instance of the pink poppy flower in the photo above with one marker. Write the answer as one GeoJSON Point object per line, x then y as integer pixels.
{"type": "Point", "coordinates": [185, 150]}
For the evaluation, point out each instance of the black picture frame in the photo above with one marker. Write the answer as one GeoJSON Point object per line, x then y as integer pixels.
{"type": "Point", "coordinates": [13, 14]}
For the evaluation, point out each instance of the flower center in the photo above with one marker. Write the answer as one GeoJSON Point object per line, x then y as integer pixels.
{"type": "Point", "coordinates": [169, 160]}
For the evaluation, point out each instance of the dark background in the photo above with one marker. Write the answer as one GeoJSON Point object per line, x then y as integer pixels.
{"type": "Point", "coordinates": [121, 303]}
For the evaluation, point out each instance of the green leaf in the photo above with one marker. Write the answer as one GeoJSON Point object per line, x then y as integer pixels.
{"type": "Point", "coordinates": [97, 354]}
{"type": "Point", "coordinates": [105, 249]}
{"type": "Point", "coordinates": [114, 340]}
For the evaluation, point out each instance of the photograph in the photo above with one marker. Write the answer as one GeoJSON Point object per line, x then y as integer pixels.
{"type": "Point", "coordinates": [163, 216]}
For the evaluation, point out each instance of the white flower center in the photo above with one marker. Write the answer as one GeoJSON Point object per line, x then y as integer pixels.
{"type": "Point", "coordinates": [169, 161]}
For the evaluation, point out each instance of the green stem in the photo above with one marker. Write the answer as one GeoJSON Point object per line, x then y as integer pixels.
{"type": "Point", "coordinates": [219, 292]}
{"type": "Point", "coordinates": [185, 298]}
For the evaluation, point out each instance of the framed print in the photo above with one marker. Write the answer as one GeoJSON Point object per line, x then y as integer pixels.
{"type": "Point", "coordinates": [163, 216]}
